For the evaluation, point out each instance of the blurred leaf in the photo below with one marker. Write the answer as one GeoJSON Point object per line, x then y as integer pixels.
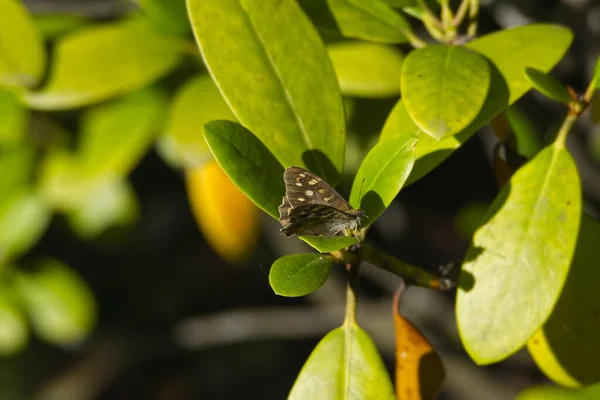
{"type": "Point", "coordinates": [548, 85]}
{"type": "Point", "coordinates": [566, 348]}
{"type": "Point", "coordinates": [169, 16]}
{"type": "Point", "coordinates": [13, 120]}
{"type": "Point", "coordinates": [52, 26]}
{"type": "Point", "coordinates": [344, 365]}
{"type": "Point", "coordinates": [23, 56]}
{"type": "Point", "coordinates": [366, 69]}
{"type": "Point", "coordinates": [419, 369]}
{"type": "Point", "coordinates": [444, 88]}
{"type": "Point", "coordinates": [371, 20]}
{"type": "Point", "coordinates": [557, 393]}
{"type": "Point", "coordinates": [596, 76]}
{"type": "Point", "coordinates": [197, 102]}
{"type": "Point", "coordinates": [17, 167]}
{"type": "Point", "coordinates": [300, 274]}
{"type": "Point", "coordinates": [14, 331]}
{"type": "Point", "coordinates": [97, 63]}
{"type": "Point", "coordinates": [469, 218]}
{"type": "Point", "coordinates": [326, 244]}
{"type": "Point", "coordinates": [109, 203]}
{"type": "Point", "coordinates": [248, 163]}
{"type": "Point", "coordinates": [59, 303]}
{"type": "Point", "coordinates": [510, 51]}
{"type": "Point", "coordinates": [528, 142]}
{"type": "Point", "coordinates": [23, 219]}
{"type": "Point", "coordinates": [269, 63]}
{"type": "Point", "coordinates": [517, 264]}
{"type": "Point", "coordinates": [116, 135]}
{"type": "Point", "coordinates": [381, 176]}
{"type": "Point", "coordinates": [227, 218]}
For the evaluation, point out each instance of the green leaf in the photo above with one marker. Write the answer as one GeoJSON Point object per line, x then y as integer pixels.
{"type": "Point", "coordinates": [13, 119]}
{"type": "Point", "coordinates": [371, 20]}
{"type": "Point", "coordinates": [248, 163]}
{"type": "Point", "coordinates": [444, 88]}
{"type": "Point", "coordinates": [381, 176]}
{"type": "Point", "coordinates": [17, 166]}
{"type": "Point", "coordinates": [300, 274]}
{"type": "Point", "coordinates": [344, 365]}
{"type": "Point", "coordinates": [23, 219]}
{"type": "Point", "coordinates": [23, 56]}
{"type": "Point", "coordinates": [326, 244]}
{"type": "Point", "coordinates": [105, 61]}
{"type": "Point", "coordinates": [516, 266]}
{"type": "Point", "coordinates": [59, 303]}
{"type": "Point", "coordinates": [14, 330]}
{"type": "Point", "coordinates": [52, 26]}
{"type": "Point", "coordinates": [548, 85]}
{"type": "Point", "coordinates": [197, 102]}
{"type": "Point", "coordinates": [116, 135]}
{"type": "Point", "coordinates": [528, 142]}
{"type": "Point", "coordinates": [274, 73]}
{"type": "Point", "coordinates": [566, 348]}
{"type": "Point", "coordinates": [111, 202]}
{"type": "Point", "coordinates": [366, 69]}
{"type": "Point", "coordinates": [546, 392]}
{"type": "Point", "coordinates": [169, 16]}
{"type": "Point", "coordinates": [596, 76]}
{"type": "Point", "coordinates": [510, 51]}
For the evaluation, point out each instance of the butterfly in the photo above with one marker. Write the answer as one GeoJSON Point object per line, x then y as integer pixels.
{"type": "Point", "coordinates": [312, 207]}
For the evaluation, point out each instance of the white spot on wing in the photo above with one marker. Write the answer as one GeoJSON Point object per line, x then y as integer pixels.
{"type": "Point", "coordinates": [298, 184]}
{"type": "Point", "coordinates": [312, 182]}
{"type": "Point", "coordinates": [301, 199]}
{"type": "Point", "coordinates": [309, 193]}
{"type": "Point", "coordinates": [302, 175]}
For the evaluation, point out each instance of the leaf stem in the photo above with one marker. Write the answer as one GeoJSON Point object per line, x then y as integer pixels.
{"type": "Point", "coordinates": [352, 270]}
{"type": "Point", "coordinates": [461, 13]}
{"type": "Point", "coordinates": [566, 126]}
{"type": "Point", "coordinates": [473, 14]}
{"type": "Point", "coordinates": [411, 274]}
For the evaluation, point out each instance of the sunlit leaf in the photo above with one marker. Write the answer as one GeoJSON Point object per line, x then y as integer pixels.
{"type": "Point", "coordinates": [344, 365]}
{"type": "Point", "coordinates": [548, 85]}
{"type": "Point", "coordinates": [59, 303]}
{"type": "Point", "coordinates": [300, 274]}
{"type": "Point", "coordinates": [23, 57]}
{"type": "Point", "coordinates": [328, 244]}
{"type": "Point", "coordinates": [100, 62]}
{"type": "Point", "coordinates": [366, 69]}
{"type": "Point", "coordinates": [14, 331]}
{"type": "Point", "coordinates": [196, 103]}
{"type": "Point", "coordinates": [444, 88]}
{"type": "Point", "coordinates": [17, 169]}
{"type": "Point", "coordinates": [53, 25]}
{"type": "Point", "coordinates": [518, 261]}
{"type": "Point", "coordinates": [566, 348]}
{"type": "Point", "coordinates": [270, 63]}
{"type": "Point", "coordinates": [13, 118]}
{"type": "Point", "coordinates": [227, 218]}
{"type": "Point", "coordinates": [381, 176]}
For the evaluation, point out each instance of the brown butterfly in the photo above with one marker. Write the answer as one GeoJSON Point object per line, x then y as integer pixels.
{"type": "Point", "coordinates": [312, 207]}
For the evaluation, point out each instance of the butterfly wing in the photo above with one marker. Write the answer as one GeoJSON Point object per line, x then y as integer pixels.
{"type": "Point", "coordinates": [304, 187]}
{"type": "Point", "coordinates": [315, 219]}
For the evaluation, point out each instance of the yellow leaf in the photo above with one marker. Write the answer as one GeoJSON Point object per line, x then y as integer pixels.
{"type": "Point", "coordinates": [226, 217]}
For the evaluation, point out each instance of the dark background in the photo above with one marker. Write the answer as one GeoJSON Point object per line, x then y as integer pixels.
{"type": "Point", "coordinates": [176, 322]}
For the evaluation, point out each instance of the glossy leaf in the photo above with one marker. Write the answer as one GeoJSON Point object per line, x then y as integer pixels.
{"type": "Point", "coordinates": [248, 163]}
{"type": "Point", "coordinates": [566, 348]}
{"type": "Point", "coordinates": [538, 45]}
{"type": "Point", "coordinates": [300, 274]}
{"type": "Point", "coordinates": [344, 365]}
{"type": "Point", "coordinates": [381, 176]}
{"type": "Point", "coordinates": [108, 203]}
{"type": "Point", "coordinates": [104, 61]}
{"type": "Point", "coordinates": [227, 218]}
{"type": "Point", "coordinates": [23, 56]}
{"type": "Point", "coordinates": [23, 219]}
{"type": "Point", "coordinates": [197, 102]}
{"type": "Point", "coordinates": [59, 303]}
{"type": "Point", "coordinates": [14, 331]}
{"type": "Point", "coordinates": [518, 261]}
{"type": "Point", "coordinates": [371, 20]}
{"type": "Point", "coordinates": [269, 63]}
{"type": "Point", "coordinates": [52, 26]}
{"type": "Point", "coordinates": [169, 16]}
{"type": "Point", "coordinates": [116, 135]}
{"type": "Point", "coordinates": [548, 85]}
{"type": "Point", "coordinates": [366, 69]}
{"type": "Point", "coordinates": [444, 88]}
{"type": "Point", "coordinates": [419, 369]}
{"type": "Point", "coordinates": [13, 119]}
{"type": "Point", "coordinates": [547, 392]}
{"type": "Point", "coordinates": [328, 244]}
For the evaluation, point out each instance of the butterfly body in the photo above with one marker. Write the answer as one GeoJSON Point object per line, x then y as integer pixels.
{"type": "Point", "coordinates": [312, 207]}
